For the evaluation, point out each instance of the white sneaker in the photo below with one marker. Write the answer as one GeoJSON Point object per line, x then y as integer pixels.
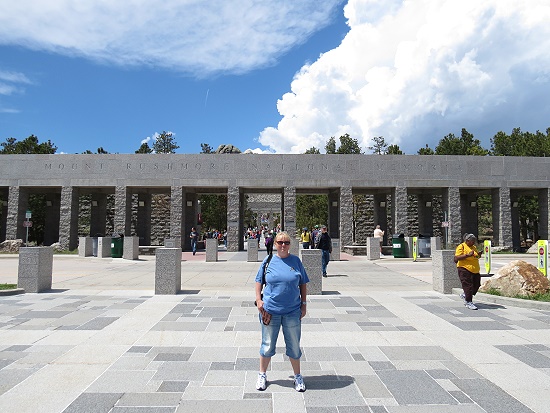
{"type": "Point", "coordinates": [261, 382]}
{"type": "Point", "coordinates": [463, 296]}
{"type": "Point", "coordinates": [299, 384]}
{"type": "Point", "coordinates": [470, 305]}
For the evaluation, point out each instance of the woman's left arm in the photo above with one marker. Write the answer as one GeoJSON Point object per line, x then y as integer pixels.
{"type": "Point", "coordinates": [303, 296]}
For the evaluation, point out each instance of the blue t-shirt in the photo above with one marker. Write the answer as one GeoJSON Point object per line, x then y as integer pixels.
{"type": "Point", "coordinates": [283, 279]}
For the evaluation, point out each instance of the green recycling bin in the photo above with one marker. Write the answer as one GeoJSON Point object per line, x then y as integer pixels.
{"type": "Point", "coordinates": [117, 244]}
{"type": "Point", "coordinates": [399, 246]}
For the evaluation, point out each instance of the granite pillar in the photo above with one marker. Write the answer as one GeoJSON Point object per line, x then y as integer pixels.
{"type": "Point", "coordinates": [373, 248]}
{"type": "Point", "coordinates": [451, 208]}
{"type": "Point", "coordinates": [211, 250]}
{"type": "Point", "coordinates": [35, 269]}
{"type": "Point", "coordinates": [176, 212]}
{"type": "Point", "coordinates": [168, 271]}
{"type": "Point", "coordinates": [312, 261]}
{"type": "Point", "coordinates": [502, 217]}
{"type": "Point", "coordinates": [289, 217]}
{"type": "Point", "coordinates": [252, 250]}
{"type": "Point", "coordinates": [444, 272]}
{"type": "Point", "coordinates": [234, 230]}
{"type": "Point", "coordinates": [68, 218]}
{"type": "Point", "coordinates": [346, 215]}
{"type": "Point", "coordinates": [514, 212]}
{"type": "Point", "coordinates": [130, 248]}
{"type": "Point", "coordinates": [400, 209]}
{"type": "Point", "coordinates": [18, 201]}
{"type": "Point", "coordinates": [123, 209]}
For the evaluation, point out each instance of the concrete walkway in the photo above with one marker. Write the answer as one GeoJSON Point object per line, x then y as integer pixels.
{"type": "Point", "coordinates": [378, 340]}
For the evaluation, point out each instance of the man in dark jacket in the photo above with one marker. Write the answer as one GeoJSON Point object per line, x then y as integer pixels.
{"type": "Point", "coordinates": [325, 245]}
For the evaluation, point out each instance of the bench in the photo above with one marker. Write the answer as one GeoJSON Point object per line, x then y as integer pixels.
{"type": "Point", "coordinates": [148, 249]}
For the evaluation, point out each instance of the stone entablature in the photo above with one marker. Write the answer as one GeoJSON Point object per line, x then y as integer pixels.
{"type": "Point", "coordinates": [309, 170]}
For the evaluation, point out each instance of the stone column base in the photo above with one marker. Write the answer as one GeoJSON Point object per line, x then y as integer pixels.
{"type": "Point", "coordinates": [252, 249]}
{"type": "Point", "coordinates": [444, 272]}
{"type": "Point", "coordinates": [35, 269]}
{"type": "Point", "coordinates": [373, 248]}
{"type": "Point", "coordinates": [168, 271]}
{"type": "Point", "coordinates": [211, 250]}
{"type": "Point", "coordinates": [314, 268]}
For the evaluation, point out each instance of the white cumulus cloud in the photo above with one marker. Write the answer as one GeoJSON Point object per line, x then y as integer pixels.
{"type": "Point", "coordinates": [193, 36]}
{"type": "Point", "coordinates": [413, 71]}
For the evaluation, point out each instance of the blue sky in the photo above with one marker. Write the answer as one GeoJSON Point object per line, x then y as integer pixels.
{"type": "Point", "coordinates": [271, 76]}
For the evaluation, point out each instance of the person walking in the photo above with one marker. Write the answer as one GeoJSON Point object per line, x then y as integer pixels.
{"type": "Point", "coordinates": [194, 235]}
{"type": "Point", "coordinates": [325, 245]}
{"type": "Point", "coordinates": [282, 305]}
{"type": "Point", "coordinates": [467, 262]}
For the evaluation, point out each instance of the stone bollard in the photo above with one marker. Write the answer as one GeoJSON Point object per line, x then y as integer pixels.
{"type": "Point", "coordinates": [373, 248]}
{"type": "Point", "coordinates": [85, 247]}
{"type": "Point", "coordinates": [211, 250]}
{"type": "Point", "coordinates": [35, 269]}
{"type": "Point", "coordinates": [168, 271]}
{"type": "Point", "coordinates": [444, 273]}
{"type": "Point", "coordinates": [313, 264]}
{"type": "Point", "coordinates": [252, 247]}
{"type": "Point", "coordinates": [104, 247]}
{"type": "Point", "coordinates": [335, 254]}
{"type": "Point", "coordinates": [130, 248]}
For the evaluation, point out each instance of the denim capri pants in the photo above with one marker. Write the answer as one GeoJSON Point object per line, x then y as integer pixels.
{"type": "Point", "coordinates": [292, 329]}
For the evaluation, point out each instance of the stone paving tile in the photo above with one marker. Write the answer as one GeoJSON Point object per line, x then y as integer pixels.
{"type": "Point", "coordinates": [93, 403]}
{"type": "Point", "coordinates": [199, 378]}
{"type": "Point", "coordinates": [527, 355]}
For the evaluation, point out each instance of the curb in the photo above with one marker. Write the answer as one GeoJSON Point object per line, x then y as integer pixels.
{"type": "Point", "coordinates": [514, 302]}
{"type": "Point", "coordinates": [13, 291]}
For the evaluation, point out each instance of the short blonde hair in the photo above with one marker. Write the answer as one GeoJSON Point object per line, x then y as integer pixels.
{"type": "Point", "coordinates": [283, 235]}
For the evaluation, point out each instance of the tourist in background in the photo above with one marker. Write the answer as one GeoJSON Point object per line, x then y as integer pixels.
{"type": "Point", "coordinates": [306, 238]}
{"type": "Point", "coordinates": [325, 245]}
{"type": "Point", "coordinates": [467, 262]}
{"type": "Point", "coordinates": [283, 305]}
{"type": "Point", "coordinates": [194, 235]}
{"type": "Point", "coordinates": [378, 233]}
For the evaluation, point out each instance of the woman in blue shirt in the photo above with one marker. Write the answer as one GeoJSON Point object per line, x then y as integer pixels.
{"type": "Point", "coordinates": [283, 305]}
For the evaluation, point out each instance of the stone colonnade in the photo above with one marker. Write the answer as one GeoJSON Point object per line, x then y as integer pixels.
{"type": "Point", "coordinates": [455, 182]}
{"type": "Point", "coordinates": [184, 208]}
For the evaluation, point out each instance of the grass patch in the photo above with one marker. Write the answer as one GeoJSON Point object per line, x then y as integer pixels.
{"type": "Point", "coordinates": [536, 297]}
{"type": "Point", "coordinates": [8, 286]}
{"type": "Point", "coordinates": [67, 252]}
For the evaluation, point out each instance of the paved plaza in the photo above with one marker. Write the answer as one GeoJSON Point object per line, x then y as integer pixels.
{"type": "Point", "coordinates": [379, 339]}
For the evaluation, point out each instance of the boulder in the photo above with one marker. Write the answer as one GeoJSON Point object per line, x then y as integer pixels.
{"type": "Point", "coordinates": [57, 247]}
{"type": "Point", "coordinates": [517, 278]}
{"type": "Point", "coordinates": [11, 246]}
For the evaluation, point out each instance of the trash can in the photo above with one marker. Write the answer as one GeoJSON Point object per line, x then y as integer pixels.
{"type": "Point", "coordinates": [117, 243]}
{"type": "Point", "coordinates": [424, 246]}
{"type": "Point", "coordinates": [399, 246]}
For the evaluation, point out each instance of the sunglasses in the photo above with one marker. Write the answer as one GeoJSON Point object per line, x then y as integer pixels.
{"type": "Point", "coordinates": [283, 242]}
